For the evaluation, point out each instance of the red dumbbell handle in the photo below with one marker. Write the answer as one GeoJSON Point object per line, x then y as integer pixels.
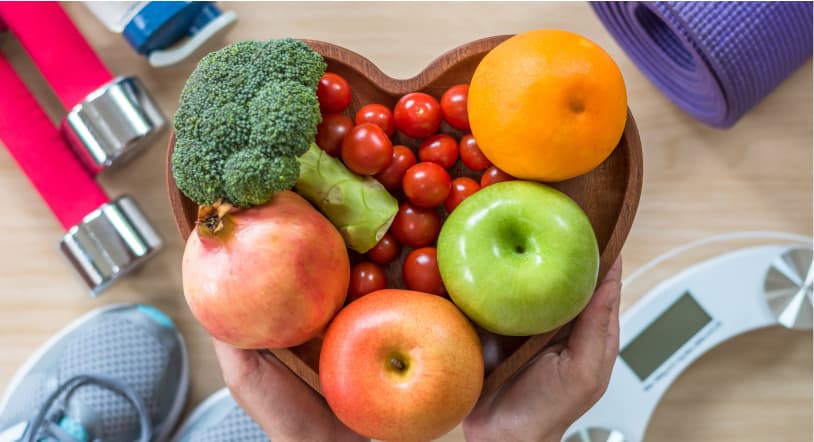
{"type": "Point", "coordinates": [59, 50]}
{"type": "Point", "coordinates": [42, 154]}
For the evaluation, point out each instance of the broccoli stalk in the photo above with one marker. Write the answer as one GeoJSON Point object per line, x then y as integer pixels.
{"type": "Point", "coordinates": [360, 207]}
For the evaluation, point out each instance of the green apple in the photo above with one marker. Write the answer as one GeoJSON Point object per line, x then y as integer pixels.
{"type": "Point", "coordinates": [519, 258]}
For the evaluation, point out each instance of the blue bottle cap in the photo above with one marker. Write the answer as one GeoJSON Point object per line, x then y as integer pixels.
{"type": "Point", "coordinates": [160, 24]}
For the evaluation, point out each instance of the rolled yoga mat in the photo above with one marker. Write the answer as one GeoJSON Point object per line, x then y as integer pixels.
{"type": "Point", "coordinates": [714, 60]}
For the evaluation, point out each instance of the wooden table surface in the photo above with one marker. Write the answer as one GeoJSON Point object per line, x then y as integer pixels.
{"type": "Point", "coordinates": [698, 181]}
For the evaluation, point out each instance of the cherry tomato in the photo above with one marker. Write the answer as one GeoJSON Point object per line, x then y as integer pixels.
{"type": "Point", "coordinates": [403, 159]}
{"type": "Point", "coordinates": [379, 115]}
{"type": "Point", "coordinates": [332, 131]}
{"type": "Point", "coordinates": [426, 184]}
{"type": "Point", "coordinates": [385, 251]}
{"type": "Point", "coordinates": [453, 107]}
{"type": "Point", "coordinates": [366, 149]}
{"type": "Point", "coordinates": [440, 149]}
{"type": "Point", "coordinates": [365, 277]}
{"type": "Point", "coordinates": [494, 175]}
{"type": "Point", "coordinates": [420, 271]}
{"type": "Point", "coordinates": [415, 226]}
{"type": "Point", "coordinates": [333, 93]}
{"type": "Point", "coordinates": [418, 115]}
{"type": "Point", "coordinates": [471, 154]}
{"type": "Point", "coordinates": [462, 187]}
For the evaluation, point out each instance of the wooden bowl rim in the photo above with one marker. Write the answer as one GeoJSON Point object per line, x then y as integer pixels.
{"type": "Point", "coordinates": [400, 86]}
{"type": "Point", "coordinates": [395, 87]}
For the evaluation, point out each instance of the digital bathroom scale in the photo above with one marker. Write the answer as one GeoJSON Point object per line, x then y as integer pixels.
{"type": "Point", "coordinates": [686, 315]}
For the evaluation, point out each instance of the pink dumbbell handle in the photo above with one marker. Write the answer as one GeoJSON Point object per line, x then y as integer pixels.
{"type": "Point", "coordinates": [40, 151]}
{"type": "Point", "coordinates": [59, 50]}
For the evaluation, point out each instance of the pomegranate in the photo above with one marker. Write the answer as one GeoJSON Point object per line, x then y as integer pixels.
{"type": "Point", "coordinates": [270, 276]}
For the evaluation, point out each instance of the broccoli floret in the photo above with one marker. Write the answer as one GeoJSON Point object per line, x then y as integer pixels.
{"type": "Point", "coordinates": [216, 82]}
{"type": "Point", "coordinates": [248, 100]}
{"type": "Point", "coordinates": [250, 176]}
{"type": "Point", "coordinates": [282, 117]}
{"type": "Point", "coordinates": [289, 60]}
{"type": "Point", "coordinates": [197, 170]}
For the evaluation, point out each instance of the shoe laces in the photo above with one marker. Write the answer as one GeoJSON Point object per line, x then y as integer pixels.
{"type": "Point", "coordinates": [45, 424]}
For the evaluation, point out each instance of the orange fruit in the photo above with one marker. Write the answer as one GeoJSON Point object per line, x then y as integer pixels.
{"type": "Point", "coordinates": [547, 105]}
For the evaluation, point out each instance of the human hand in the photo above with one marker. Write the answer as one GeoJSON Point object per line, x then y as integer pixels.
{"type": "Point", "coordinates": [562, 382]}
{"type": "Point", "coordinates": [284, 407]}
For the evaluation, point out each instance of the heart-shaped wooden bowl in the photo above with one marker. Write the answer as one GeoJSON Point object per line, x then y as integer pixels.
{"type": "Point", "coordinates": [609, 194]}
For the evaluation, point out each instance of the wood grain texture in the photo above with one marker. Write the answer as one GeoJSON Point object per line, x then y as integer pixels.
{"type": "Point", "coordinates": [608, 194]}
{"type": "Point", "coordinates": [697, 181]}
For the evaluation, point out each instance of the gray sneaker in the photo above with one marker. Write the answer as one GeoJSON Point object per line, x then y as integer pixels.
{"type": "Point", "coordinates": [219, 419]}
{"type": "Point", "coordinates": [118, 374]}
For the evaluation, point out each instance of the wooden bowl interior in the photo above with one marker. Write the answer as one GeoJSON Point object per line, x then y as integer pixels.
{"type": "Point", "coordinates": [609, 194]}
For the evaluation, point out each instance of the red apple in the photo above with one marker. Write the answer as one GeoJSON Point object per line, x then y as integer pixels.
{"type": "Point", "coordinates": [401, 365]}
{"type": "Point", "coordinates": [268, 277]}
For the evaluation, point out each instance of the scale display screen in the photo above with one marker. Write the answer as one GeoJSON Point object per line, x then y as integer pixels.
{"type": "Point", "coordinates": [665, 336]}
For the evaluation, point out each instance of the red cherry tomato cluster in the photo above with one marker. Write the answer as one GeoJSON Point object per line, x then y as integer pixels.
{"type": "Point", "coordinates": [368, 142]}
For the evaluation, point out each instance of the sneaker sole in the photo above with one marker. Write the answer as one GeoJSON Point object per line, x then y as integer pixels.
{"type": "Point", "coordinates": [177, 406]}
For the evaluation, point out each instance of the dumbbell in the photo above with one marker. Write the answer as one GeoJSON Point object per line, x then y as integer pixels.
{"type": "Point", "coordinates": [109, 119]}
{"type": "Point", "coordinates": [104, 239]}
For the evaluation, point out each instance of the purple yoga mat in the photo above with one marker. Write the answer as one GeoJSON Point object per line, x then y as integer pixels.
{"type": "Point", "coordinates": [714, 60]}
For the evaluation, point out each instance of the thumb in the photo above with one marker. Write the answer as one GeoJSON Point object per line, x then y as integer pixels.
{"type": "Point", "coordinates": [595, 336]}
{"type": "Point", "coordinates": [239, 367]}
{"type": "Point", "coordinates": [283, 406]}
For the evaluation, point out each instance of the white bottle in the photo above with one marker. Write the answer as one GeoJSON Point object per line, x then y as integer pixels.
{"type": "Point", "coordinates": [165, 32]}
{"type": "Point", "coordinates": [115, 15]}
